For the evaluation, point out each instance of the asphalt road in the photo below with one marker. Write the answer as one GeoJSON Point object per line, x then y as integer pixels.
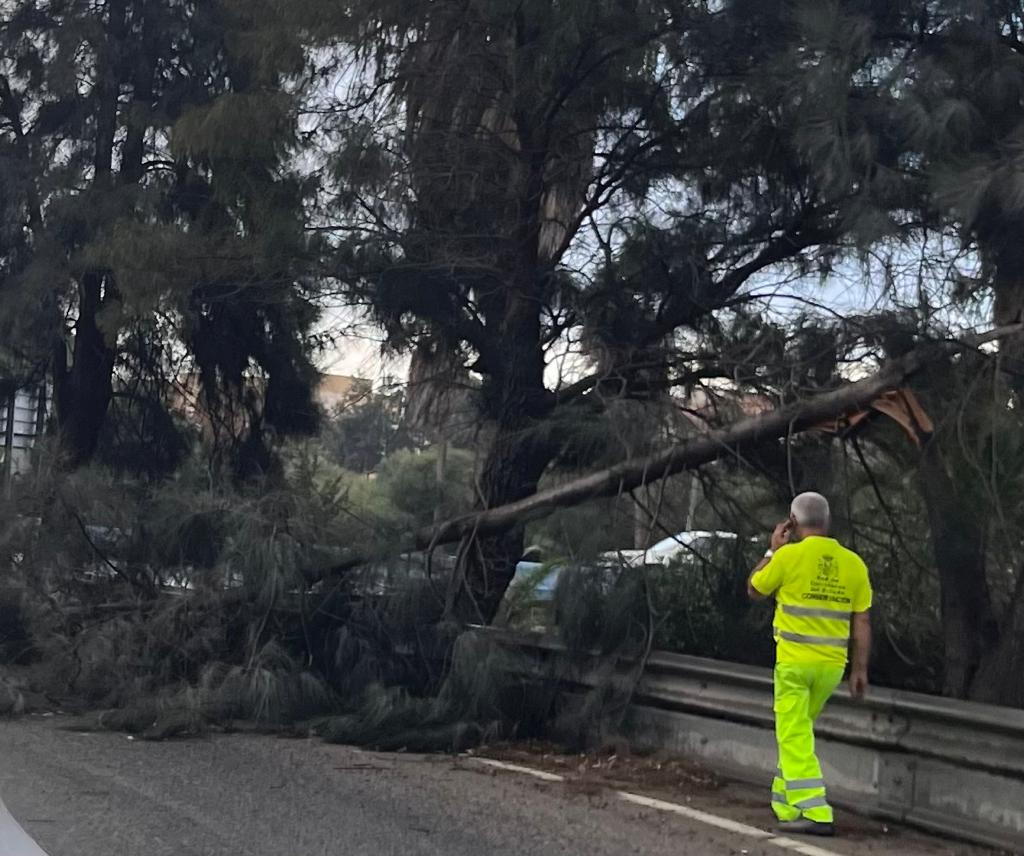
{"type": "Point", "coordinates": [83, 794]}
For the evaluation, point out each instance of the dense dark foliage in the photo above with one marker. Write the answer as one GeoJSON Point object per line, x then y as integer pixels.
{"type": "Point", "coordinates": [597, 228]}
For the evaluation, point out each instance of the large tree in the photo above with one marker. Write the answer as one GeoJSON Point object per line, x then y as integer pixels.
{"type": "Point", "coordinates": [939, 152]}
{"type": "Point", "coordinates": [616, 171]}
{"type": "Point", "coordinates": [138, 207]}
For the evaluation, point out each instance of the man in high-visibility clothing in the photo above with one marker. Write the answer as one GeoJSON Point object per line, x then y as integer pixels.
{"type": "Point", "coordinates": [822, 595]}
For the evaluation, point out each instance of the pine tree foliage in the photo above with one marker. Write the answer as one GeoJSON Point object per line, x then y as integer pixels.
{"type": "Point", "coordinates": [608, 172]}
{"type": "Point", "coordinates": [143, 197]}
{"type": "Point", "coordinates": [508, 189]}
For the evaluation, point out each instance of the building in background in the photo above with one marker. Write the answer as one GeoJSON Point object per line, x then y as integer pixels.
{"type": "Point", "coordinates": [335, 392]}
{"type": "Point", "coordinates": [24, 409]}
{"type": "Point", "coordinates": [22, 422]}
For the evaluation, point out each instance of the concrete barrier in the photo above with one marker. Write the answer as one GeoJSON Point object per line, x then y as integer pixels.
{"type": "Point", "coordinates": [947, 766]}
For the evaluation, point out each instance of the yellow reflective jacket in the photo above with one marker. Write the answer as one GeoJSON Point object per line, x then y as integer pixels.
{"type": "Point", "coordinates": [818, 584]}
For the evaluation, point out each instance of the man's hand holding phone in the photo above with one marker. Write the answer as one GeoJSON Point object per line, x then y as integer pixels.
{"type": "Point", "coordinates": [782, 533]}
{"type": "Point", "coordinates": [780, 537]}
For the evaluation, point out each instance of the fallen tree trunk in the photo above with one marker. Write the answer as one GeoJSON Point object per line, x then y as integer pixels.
{"type": "Point", "coordinates": [723, 442]}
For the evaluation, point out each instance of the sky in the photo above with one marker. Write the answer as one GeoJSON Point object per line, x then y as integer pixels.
{"type": "Point", "coordinates": [851, 289]}
{"type": "Point", "coordinates": [854, 286]}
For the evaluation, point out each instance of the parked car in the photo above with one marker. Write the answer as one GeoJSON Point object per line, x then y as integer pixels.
{"type": "Point", "coordinates": [532, 590]}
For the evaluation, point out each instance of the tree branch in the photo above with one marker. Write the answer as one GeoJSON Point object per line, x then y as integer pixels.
{"type": "Point", "coordinates": [697, 452]}
{"type": "Point", "coordinates": [10, 108]}
{"type": "Point", "coordinates": [784, 247]}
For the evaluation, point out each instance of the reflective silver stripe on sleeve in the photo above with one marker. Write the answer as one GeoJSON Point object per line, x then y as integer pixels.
{"type": "Point", "coordinates": [813, 640]}
{"type": "Point", "coordinates": [815, 612]}
{"type": "Point", "coordinates": [812, 802]}
{"type": "Point", "coordinates": [779, 798]}
{"type": "Point", "coordinates": [804, 784]}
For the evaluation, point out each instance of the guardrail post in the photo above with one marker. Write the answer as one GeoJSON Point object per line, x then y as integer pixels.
{"type": "Point", "coordinates": [896, 782]}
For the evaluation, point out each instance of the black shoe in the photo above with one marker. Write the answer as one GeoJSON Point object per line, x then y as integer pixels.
{"type": "Point", "coordinates": [803, 826]}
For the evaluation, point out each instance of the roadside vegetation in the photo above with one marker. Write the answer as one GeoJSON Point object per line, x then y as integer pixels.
{"type": "Point", "coordinates": [646, 270]}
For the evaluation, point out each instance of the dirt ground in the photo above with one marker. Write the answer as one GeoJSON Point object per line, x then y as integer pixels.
{"type": "Point", "coordinates": [597, 775]}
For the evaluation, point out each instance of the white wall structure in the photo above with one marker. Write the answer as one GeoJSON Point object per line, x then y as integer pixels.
{"type": "Point", "coordinates": [26, 427]}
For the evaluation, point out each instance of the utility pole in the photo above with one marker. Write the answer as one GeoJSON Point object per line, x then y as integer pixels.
{"type": "Point", "coordinates": [642, 524]}
{"type": "Point", "coordinates": [40, 423]}
{"type": "Point", "coordinates": [695, 491]}
{"type": "Point", "coordinates": [440, 472]}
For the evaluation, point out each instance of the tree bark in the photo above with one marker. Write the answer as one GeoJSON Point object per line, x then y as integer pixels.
{"type": "Point", "coordinates": [84, 391]}
{"type": "Point", "coordinates": [108, 92]}
{"type": "Point", "coordinates": [515, 397]}
{"type": "Point", "coordinates": [136, 122]}
{"type": "Point", "coordinates": [1006, 251]}
{"type": "Point", "coordinates": [958, 536]}
{"type": "Point", "coordinates": [517, 401]}
{"type": "Point", "coordinates": [998, 678]}
{"type": "Point", "coordinates": [511, 472]}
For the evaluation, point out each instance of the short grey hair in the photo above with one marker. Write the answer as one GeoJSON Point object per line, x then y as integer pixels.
{"type": "Point", "coordinates": [811, 510]}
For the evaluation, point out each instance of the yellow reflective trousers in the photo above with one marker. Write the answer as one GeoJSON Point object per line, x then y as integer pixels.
{"type": "Point", "coordinates": [801, 691]}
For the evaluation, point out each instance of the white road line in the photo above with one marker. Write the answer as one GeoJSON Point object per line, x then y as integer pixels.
{"type": "Point", "coordinates": [801, 847]}
{"type": "Point", "coordinates": [14, 841]}
{"type": "Point", "coordinates": [701, 816]}
{"type": "Point", "coordinates": [515, 768]}
{"type": "Point", "coordinates": [723, 823]}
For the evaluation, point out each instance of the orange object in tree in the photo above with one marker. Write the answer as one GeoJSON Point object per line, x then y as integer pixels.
{"type": "Point", "coordinates": [900, 405]}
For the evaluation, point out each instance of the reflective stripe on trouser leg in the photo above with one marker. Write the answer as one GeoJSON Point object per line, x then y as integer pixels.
{"type": "Point", "coordinates": [800, 693]}
{"type": "Point", "coordinates": [780, 804]}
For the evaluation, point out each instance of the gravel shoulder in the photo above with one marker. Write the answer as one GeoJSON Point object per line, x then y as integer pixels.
{"type": "Point", "coordinates": [669, 778]}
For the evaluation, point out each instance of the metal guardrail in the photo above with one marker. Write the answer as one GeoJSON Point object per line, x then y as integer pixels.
{"type": "Point", "coordinates": [978, 736]}
{"type": "Point", "coordinates": [949, 766]}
